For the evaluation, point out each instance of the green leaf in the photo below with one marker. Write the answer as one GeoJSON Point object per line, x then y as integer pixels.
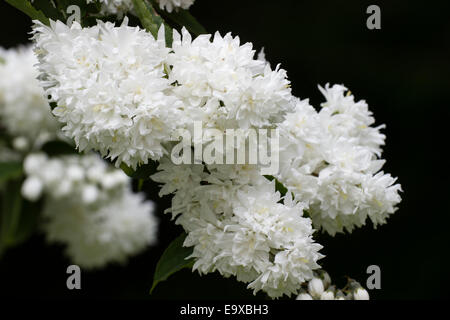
{"type": "Point", "coordinates": [184, 19]}
{"type": "Point", "coordinates": [29, 10]}
{"type": "Point", "coordinates": [10, 217]}
{"type": "Point", "coordinates": [172, 260]}
{"type": "Point", "coordinates": [278, 185]}
{"type": "Point", "coordinates": [10, 170]}
{"type": "Point", "coordinates": [143, 172]}
{"type": "Point", "coordinates": [49, 9]}
{"type": "Point", "coordinates": [18, 217]}
{"type": "Point", "coordinates": [151, 20]}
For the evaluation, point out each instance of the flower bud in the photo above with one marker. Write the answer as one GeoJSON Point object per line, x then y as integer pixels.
{"type": "Point", "coordinates": [75, 173]}
{"type": "Point", "coordinates": [327, 295]}
{"type": "Point", "coordinates": [32, 188]}
{"type": "Point", "coordinates": [361, 294]}
{"type": "Point", "coordinates": [90, 194]}
{"type": "Point", "coordinates": [315, 287]}
{"type": "Point", "coordinates": [304, 296]}
{"type": "Point", "coordinates": [20, 143]}
{"type": "Point", "coordinates": [326, 279]}
{"type": "Point", "coordinates": [340, 295]}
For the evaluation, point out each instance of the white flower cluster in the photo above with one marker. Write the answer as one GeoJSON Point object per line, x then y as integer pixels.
{"type": "Point", "coordinates": [320, 288]}
{"type": "Point", "coordinates": [123, 93]}
{"type": "Point", "coordinates": [221, 83]}
{"type": "Point", "coordinates": [110, 87]}
{"type": "Point", "coordinates": [24, 110]}
{"type": "Point", "coordinates": [122, 7]}
{"type": "Point", "coordinates": [90, 207]}
{"type": "Point", "coordinates": [330, 162]}
{"type": "Point", "coordinates": [238, 226]}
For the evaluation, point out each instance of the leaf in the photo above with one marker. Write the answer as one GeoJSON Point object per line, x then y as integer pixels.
{"type": "Point", "coordinates": [27, 222]}
{"type": "Point", "coordinates": [278, 185]}
{"type": "Point", "coordinates": [143, 172]}
{"type": "Point", "coordinates": [49, 9]}
{"type": "Point", "coordinates": [10, 170]}
{"type": "Point", "coordinates": [151, 20]}
{"type": "Point", "coordinates": [10, 217]}
{"type": "Point", "coordinates": [29, 10]}
{"type": "Point", "coordinates": [172, 260]}
{"type": "Point", "coordinates": [184, 19]}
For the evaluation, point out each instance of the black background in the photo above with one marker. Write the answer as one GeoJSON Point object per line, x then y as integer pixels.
{"type": "Point", "coordinates": [401, 70]}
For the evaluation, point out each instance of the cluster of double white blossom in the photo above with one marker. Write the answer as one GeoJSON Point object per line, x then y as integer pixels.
{"type": "Point", "coordinates": [237, 224]}
{"type": "Point", "coordinates": [321, 288]}
{"type": "Point", "coordinates": [24, 109]}
{"type": "Point", "coordinates": [330, 160]}
{"type": "Point", "coordinates": [89, 207]}
{"type": "Point", "coordinates": [88, 204]}
{"type": "Point", "coordinates": [123, 92]}
{"type": "Point", "coordinates": [121, 7]}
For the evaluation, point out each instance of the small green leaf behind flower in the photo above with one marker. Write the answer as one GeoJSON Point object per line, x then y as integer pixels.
{"type": "Point", "coordinates": [172, 260]}
{"type": "Point", "coordinates": [26, 7]}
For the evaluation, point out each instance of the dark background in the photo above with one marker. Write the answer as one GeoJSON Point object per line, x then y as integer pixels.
{"type": "Point", "coordinates": [401, 70]}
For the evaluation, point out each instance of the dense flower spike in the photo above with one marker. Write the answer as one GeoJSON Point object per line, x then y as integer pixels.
{"type": "Point", "coordinates": [24, 110]}
{"type": "Point", "coordinates": [330, 161]}
{"type": "Point", "coordinates": [110, 86]}
{"type": "Point", "coordinates": [90, 207]}
{"type": "Point", "coordinates": [237, 226]}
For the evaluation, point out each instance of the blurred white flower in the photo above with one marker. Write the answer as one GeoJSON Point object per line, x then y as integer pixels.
{"type": "Point", "coordinates": [32, 188]}
{"type": "Point", "coordinates": [99, 223]}
{"type": "Point", "coordinates": [97, 235]}
{"type": "Point", "coordinates": [122, 7]}
{"type": "Point", "coordinates": [24, 110]}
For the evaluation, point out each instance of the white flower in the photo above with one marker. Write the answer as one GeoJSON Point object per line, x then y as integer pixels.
{"type": "Point", "coordinates": [24, 109]}
{"type": "Point", "coordinates": [21, 144]}
{"type": "Point", "coordinates": [222, 84]}
{"type": "Point", "coordinates": [69, 175]}
{"type": "Point", "coordinates": [122, 7]}
{"type": "Point", "coordinates": [99, 223]}
{"type": "Point", "coordinates": [330, 162]}
{"type": "Point", "coordinates": [97, 235]}
{"type": "Point", "coordinates": [169, 5]}
{"type": "Point", "coordinates": [110, 88]}
{"type": "Point", "coordinates": [32, 188]}
{"type": "Point", "coordinates": [320, 288]}
{"type": "Point", "coordinates": [237, 226]}
{"type": "Point", "coordinates": [115, 7]}
{"type": "Point", "coordinates": [315, 287]}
